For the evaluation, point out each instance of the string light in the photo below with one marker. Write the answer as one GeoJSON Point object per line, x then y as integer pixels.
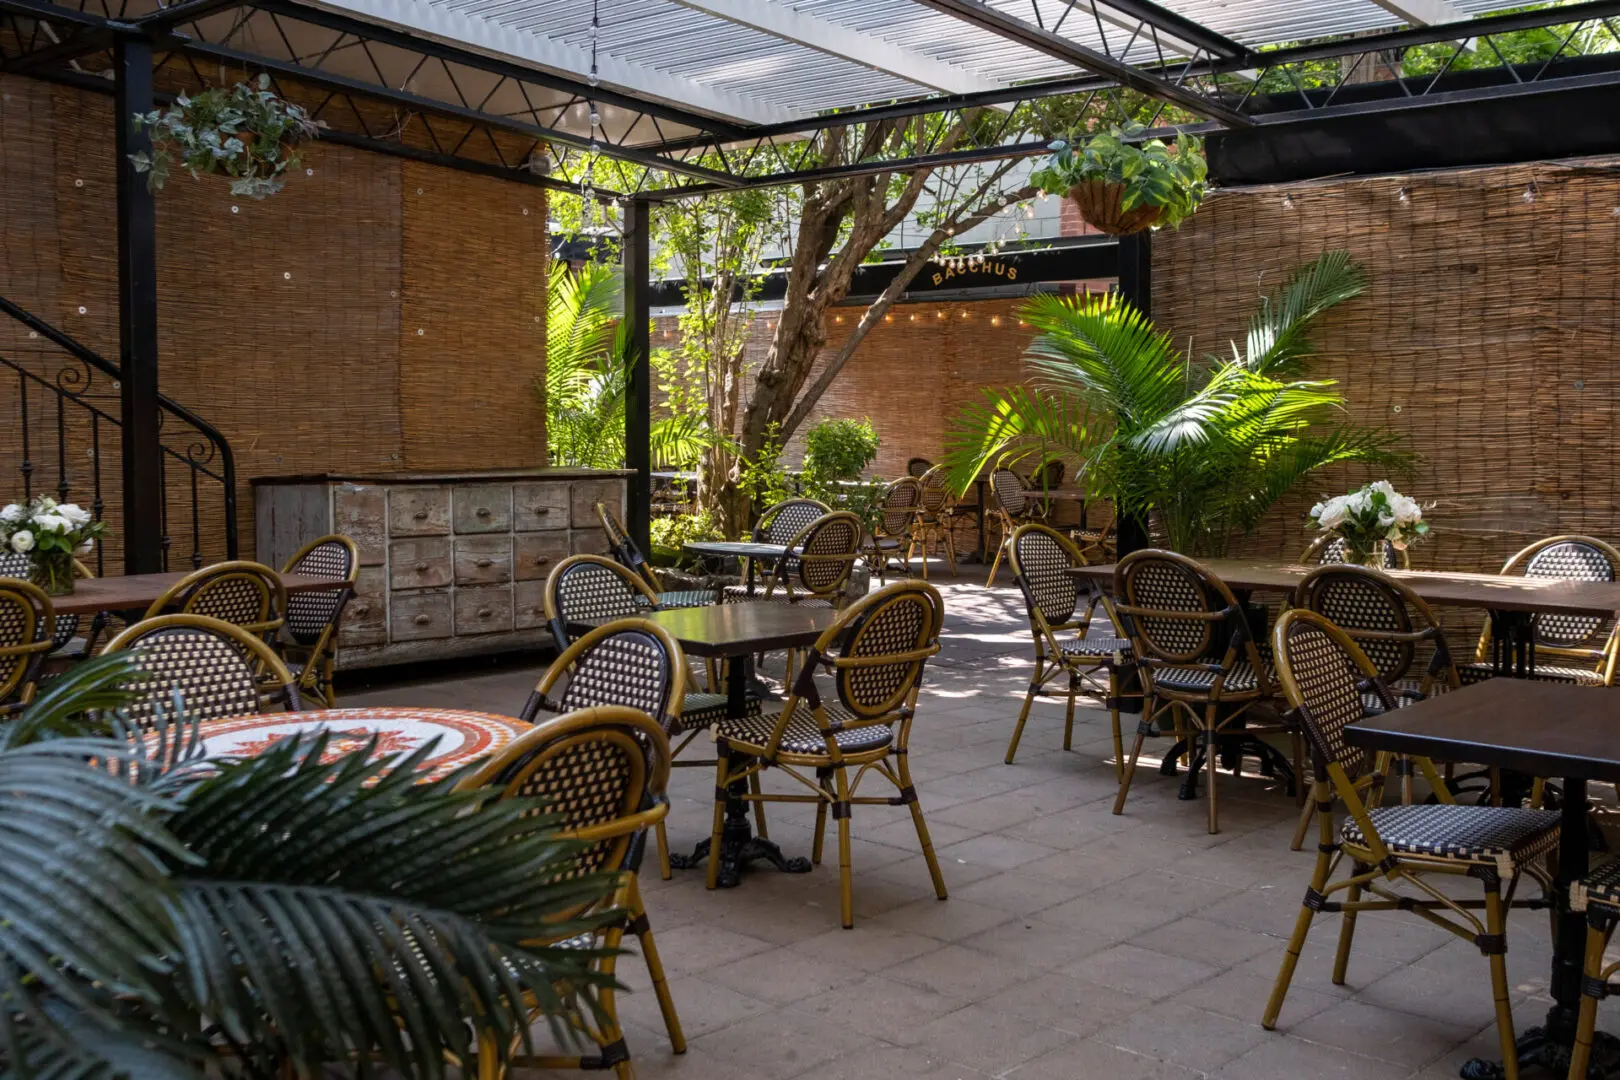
{"type": "Point", "coordinates": [995, 320]}
{"type": "Point", "coordinates": [888, 318]}
{"type": "Point", "coordinates": [588, 189]}
{"type": "Point", "coordinates": [911, 318]}
{"type": "Point", "coordinates": [1288, 202]}
{"type": "Point", "coordinates": [1403, 196]}
{"type": "Point", "coordinates": [1530, 192]}
{"type": "Point", "coordinates": [838, 318]}
{"type": "Point", "coordinates": [939, 314]}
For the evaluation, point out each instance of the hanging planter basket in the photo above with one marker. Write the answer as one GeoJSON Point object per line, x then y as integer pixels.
{"type": "Point", "coordinates": [1102, 205]}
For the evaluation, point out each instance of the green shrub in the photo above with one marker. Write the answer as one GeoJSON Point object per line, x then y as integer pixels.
{"type": "Point", "coordinates": [839, 449]}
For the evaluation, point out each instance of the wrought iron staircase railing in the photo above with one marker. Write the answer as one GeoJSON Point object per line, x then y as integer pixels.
{"type": "Point", "coordinates": [65, 402]}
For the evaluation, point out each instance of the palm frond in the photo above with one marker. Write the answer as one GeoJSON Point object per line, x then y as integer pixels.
{"type": "Point", "coordinates": [1016, 423]}
{"type": "Point", "coordinates": [1277, 341]}
{"type": "Point", "coordinates": [1105, 351]}
{"type": "Point", "coordinates": [76, 702]}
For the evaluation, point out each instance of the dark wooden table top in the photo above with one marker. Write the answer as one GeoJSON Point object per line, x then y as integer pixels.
{"type": "Point", "coordinates": [1539, 728]}
{"type": "Point", "coordinates": [91, 595]}
{"type": "Point", "coordinates": [1064, 495]}
{"type": "Point", "coordinates": [1442, 589]}
{"type": "Point", "coordinates": [741, 628]}
{"type": "Point", "coordinates": [742, 549]}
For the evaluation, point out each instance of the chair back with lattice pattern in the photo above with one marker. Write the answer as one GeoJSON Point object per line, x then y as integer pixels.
{"type": "Point", "coordinates": [919, 467]}
{"type": "Point", "coordinates": [1040, 558]}
{"type": "Point", "coordinates": [936, 490]}
{"type": "Point", "coordinates": [312, 616]}
{"type": "Point", "coordinates": [1008, 490]}
{"type": "Point", "coordinates": [1323, 672]}
{"type": "Point", "coordinates": [213, 665]}
{"type": "Point", "coordinates": [27, 632]}
{"type": "Point", "coordinates": [241, 592]}
{"type": "Point", "coordinates": [589, 588]}
{"type": "Point", "coordinates": [1048, 476]}
{"type": "Point", "coordinates": [632, 662]}
{"type": "Point", "coordinates": [901, 501]}
{"type": "Point", "coordinates": [1376, 612]}
{"type": "Point", "coordinates": [779, 524]}
{"type": "Point", "coordinates": [602, 771]}
{"type": "Point", "coordinates": [824, 555]}
{"type": "Point", "coordinates": [1571, 558]}
{"type": "Point", "coordinates": [1171, 606]}
{"type": "Point", "coordinates": [1330, 548]}
{"type": "Point", "coordinates": [13, 565]}
{"type": "Point", "coordinates": [624, 549]}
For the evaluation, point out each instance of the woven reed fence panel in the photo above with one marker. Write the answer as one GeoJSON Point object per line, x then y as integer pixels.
{"type": "Point", "coordinates": [1487, 337]}
{"type": "Point", "coordinates": [281, 321]}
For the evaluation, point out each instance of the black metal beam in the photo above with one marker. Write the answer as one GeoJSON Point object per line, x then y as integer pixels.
{"type": "Point", "coordinates": [977, 13]}
{"type": "Point", "coordinates": [1178, 26]}
{"type": "Point", "coordinates": [637, 264]}
{"type": "Point", "coordinates": [137, 314]}
{"type": "Point", "coordinates": [85, 42]}
{"type": "Point", "coordinates": [186, 11]}
{"type": "Point", "coordinates": [1136, 287]}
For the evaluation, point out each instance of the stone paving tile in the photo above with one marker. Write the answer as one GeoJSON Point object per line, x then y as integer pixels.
{"type": "Point", "coordinates": [1076, 943]}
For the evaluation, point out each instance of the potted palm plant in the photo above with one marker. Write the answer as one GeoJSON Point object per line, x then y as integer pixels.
{"type": "Point", "coordinates": [1122, 185]}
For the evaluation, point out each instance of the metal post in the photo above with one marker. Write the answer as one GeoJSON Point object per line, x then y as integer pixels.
{"type": "Point", "coordinates": [137, 315]}
{"type": "Point", "coordinates": [637, 266]}
{"type": "Point", "coordinates": [1136, 286]}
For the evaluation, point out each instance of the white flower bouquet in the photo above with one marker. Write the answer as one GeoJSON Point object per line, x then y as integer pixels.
{"type": "Point", "coordinates": [1376, 514]}
{"type": "Point", "coordinates": [50, 534]}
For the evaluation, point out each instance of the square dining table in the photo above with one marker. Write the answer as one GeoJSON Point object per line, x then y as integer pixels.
{"type": "Point", "coordinates": [130, 592]}
{"type": "Point", "coordinates": [735, 632]}
{"type": "Point", "coordinates": [1541, 729]}
{"type": "Point", "coordinates": [751, 552]}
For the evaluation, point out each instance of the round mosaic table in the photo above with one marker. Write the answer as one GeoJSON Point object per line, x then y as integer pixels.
{"type": "Point", "coordinates": [463, 736]}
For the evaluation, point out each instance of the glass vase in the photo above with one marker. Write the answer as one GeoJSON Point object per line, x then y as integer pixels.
{"type": "Point", "coordinates": [53, 572]}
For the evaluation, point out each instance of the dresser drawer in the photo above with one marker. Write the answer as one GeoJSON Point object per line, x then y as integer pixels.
{"type": "Point", "coordinates": [360, 512]}
{"type": "Point", "coordinates": [540, 506]}
{"type": "Point", "coordinates": [419, 564]}
{"type": "Point", "coordinates": [413, 616]}
{"type": "Point", "coordinates": [588, 541]}
{"type": "Point", "coordinates": [418, 511]}
{"type": "Point", "coordinates": [483, 508]}
{"type": "Point", "coordinates": [485, 610]}
{"type": "Point", "coordinates": [483, 560]}
{"type": "Point", "coordinates": [365, 618]}
{"type": "Point", "coordinates": [535, 554]}
{"type": "Point", "coordinates": [587, 493]}
{"type": "Point", "coordinates": [529, 604]}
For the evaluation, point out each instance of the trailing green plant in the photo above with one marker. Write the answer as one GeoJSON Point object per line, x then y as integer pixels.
{"type": "Point", "coordinates": [267, 916]}
{"type": "Point", "coordinates": [762, 477]}
{"type": "Point", "coordinates": [249, 133]}
{"type": "Point", "coordinates": [1152, 174]}
{"type": "Point", "coordinates": [672, 532]}
{"type": "Point", "coordinates": [1208, 447]}
{"type": "Point", "coordinates": [839, 449]}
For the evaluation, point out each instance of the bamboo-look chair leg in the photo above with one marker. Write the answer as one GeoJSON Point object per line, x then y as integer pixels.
{"type": "Point", "coordinates": [846, 890]}
{"type": "Point", "coordinates": [1023, 714]}
{"type": "Point", "coordinates": [655, 968]}
{"type": "Point", "coordinates": [1113, 716]}
{"type": "Point", "coordinates": [824, 778]}
{"type": "Point", "coordinates": [1068, 715]}
{"type": "Point", "coordinates": [722, 778]}
{"type": "Point", "coordinates": [1305, 815]}
{"type": "Point", "coordinates": [1320, 792]}
{"type": "Point", "coordinates": [1212, 760]}
{"type": "Point", "coordinates": [1000, 549]}
{"type": "Point", "coordinates": [1136, 752]}
{"type": "Point", "coordinates": [489, 1062]}
{"type": "Point", "coordinates": [922, 830]}
{"type": "Point", "coordinates": [662, 838]}
{"type": "Point", "coordinates": [911, 546]}
{"type": "Point", "coordinates": [1347, 928]}
{"type": "Point", "coordinates": [950, 548]}
{"type": "Point", "coordinates": [1598, 933]}
{"type": "Point", "coordinates": [1496, 928]}
{"type": "Point", "coordinates": [759, 807]}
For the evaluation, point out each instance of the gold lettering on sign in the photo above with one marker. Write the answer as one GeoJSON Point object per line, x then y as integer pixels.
{"type": "Point", "coordinates": [968, 264]}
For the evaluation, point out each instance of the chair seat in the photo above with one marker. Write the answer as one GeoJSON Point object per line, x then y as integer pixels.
{"type": "Point", "coordinates": [1501, 834]}
{"type": "Point", "coordinates": [1601, 887]}
{"type": "Point", "coordinates": [1193, 679]}
{"type": "Point", "coordinates": [700, 710]}
{"type": "Point", "coordinates": [1478, 672]}
{"type": "Point", "coordinates": [688, 598]}
{"type": "Point", "coordinates": [1098, 646]}
{"type": "Point", "coordinates": [734, 594]}
{"type": "Point", "coordinates": [802, 735]}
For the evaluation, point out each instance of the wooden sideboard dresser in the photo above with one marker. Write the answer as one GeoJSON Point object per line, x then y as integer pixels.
{"type": "Point", "coordinates": [451, 564]}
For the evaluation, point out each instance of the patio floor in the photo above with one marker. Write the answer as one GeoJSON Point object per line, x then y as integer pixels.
{"type": "Point", "coordinates": [1074, 944]}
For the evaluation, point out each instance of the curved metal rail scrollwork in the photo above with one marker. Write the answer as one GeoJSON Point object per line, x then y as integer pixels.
{"type": "Point", "coordinates": [76, 399]}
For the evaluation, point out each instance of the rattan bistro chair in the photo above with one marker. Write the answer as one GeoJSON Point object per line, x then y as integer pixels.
{"type": "Point", "coordinates": [1040, 559]}
{"type": "Point", "coordinates": [13, 565]}
{"type": "Point", "coordinates": [241, 592]}
{"type": "Point", "coordinates": [1330, 548]}
{"type": "Point", "coordinates": [817, 571]}
{"type": "Point", "coordinates": [309, 644]}
{"type": "Point", "coordinates": [628, 553]}
{"type": "Point", "coordinates": [604, 771]}
{"type": "Point", "coordinates": [1323, 674]}
{"type": "Point", "coordinates": [901, 502]}
{"type": "Point", "coordinates": [1598, 895]}
{"type": "Point", "coordinates": [1583, 647]}
{"type": "Point", "coordinates": [1011, 505]}
{"type": "Point", "coordinates": [918, 467]}
{"type": "Point", "coordinates": [934, 519]}
{"type": "Point", "coordinates": [27, 635]}
{"type": "Point", "coordinates": [1195, 655]}
{"type": "Point", "coordinates": [219, 670]}
{"type": "Point", "coordinates": [875, 653]}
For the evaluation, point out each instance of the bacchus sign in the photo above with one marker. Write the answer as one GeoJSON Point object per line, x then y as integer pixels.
{"type": "Point", "coordinates": [970, 270]}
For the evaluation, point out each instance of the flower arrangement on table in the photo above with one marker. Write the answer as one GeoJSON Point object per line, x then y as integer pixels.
{"type": "Point", "coordinates": [1374, 515]}
{"type": "Point", "coordinates": [50, 534]}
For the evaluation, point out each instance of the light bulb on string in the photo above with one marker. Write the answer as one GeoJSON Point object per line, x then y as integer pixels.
{"type": "Point", "coordinates": [1288, 202]}
{"type": "Point", "coordinates": [1530, 193]}
{"type": "Point", "coordinates": [1403, 196]}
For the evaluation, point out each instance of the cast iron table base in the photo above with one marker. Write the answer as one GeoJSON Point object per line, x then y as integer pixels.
{"type": "Point", "coordinates": [739, 846]}
{"type": "Point", "coordinates": [1548, 1047]}
{"type": "Point", "coordinates": [1234, 746]}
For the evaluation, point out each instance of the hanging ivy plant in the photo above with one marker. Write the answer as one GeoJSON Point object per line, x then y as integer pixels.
{"type": "Point", "coordinates": [250, 134]}
{"type": "Point", "coordinates": [1122, 186]}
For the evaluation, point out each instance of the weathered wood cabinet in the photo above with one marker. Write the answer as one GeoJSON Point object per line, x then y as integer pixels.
{"type": "Point", "coordinates": [451, 564]}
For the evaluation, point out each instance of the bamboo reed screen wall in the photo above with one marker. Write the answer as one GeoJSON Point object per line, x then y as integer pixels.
{"type": "Point", "coordinates": [377, 315]}
{"type": "Point", "coordinates": [1487, 336]}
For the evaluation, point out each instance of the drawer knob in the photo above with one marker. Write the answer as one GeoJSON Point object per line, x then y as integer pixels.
{"type": "Point", "coordinates": [420, 515]}
{"type": "Point", "coordinates": [483, 511]}
{"type": "Point", "coordinates": [423, 620]}
{"type": "Point", "coordinates": [421, 567]}
{"type": "Point", "coordinates": [541, 560]}
{"type": "Point", "coordinates": [484, 612]}
{"type": "Point", "coordinates": [539, 509]}
{"type": "Point", "coordinates": [361, 609]}
{"type": "Point", "coordinates": [486, 562]}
